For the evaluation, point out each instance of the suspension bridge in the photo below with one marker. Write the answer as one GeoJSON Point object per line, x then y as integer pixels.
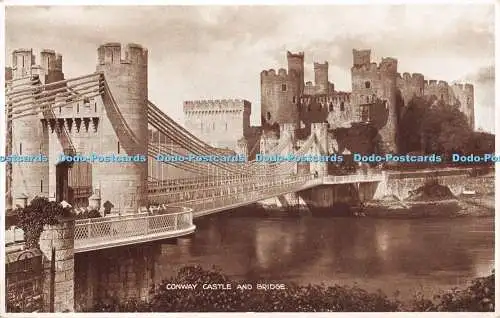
{"type": "Point", "coordinates": [109, 111]}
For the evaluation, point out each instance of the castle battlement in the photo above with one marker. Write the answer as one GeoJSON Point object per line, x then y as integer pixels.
{"type": "Point", "coordinates": [48, 59]}
{"type": "Point", "coordinates": [211, 104]}
{"type": "Point", "coordinates": [335, 98]}
{"type": "Point", "coordinates": [435, 83]}
{"type": "Point", "coordinates": [299, 55]}
{"type": "Point", "coordinates": [25, 63]}
{"type": "Point", "coordinates": [320, 65]}
{"type": "Point", "coordinates": [271, 73]}
{"type": "Point", "coordinates": [389, 65]}
{"type": "Point", "coordinates": [465, 87]}
{"type": "Point", "coordinates": [114, 53]}
{"type": "Point", "coordinates": [414, 77]}
{"type": "Point", "coordinates": [362, 63]}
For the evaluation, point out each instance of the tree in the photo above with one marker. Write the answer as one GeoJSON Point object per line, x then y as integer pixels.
{"type": "Point", "coordinates": [410, 130]}
{"type": "Point", "coordinates": [431, 126]}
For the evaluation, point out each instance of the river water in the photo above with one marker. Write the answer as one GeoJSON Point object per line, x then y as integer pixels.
{"type": "Point", "coordinates": [402, 256]}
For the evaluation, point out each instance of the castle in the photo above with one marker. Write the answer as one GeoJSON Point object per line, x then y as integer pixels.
{"type": "Point", "coordinates": [378, 96]}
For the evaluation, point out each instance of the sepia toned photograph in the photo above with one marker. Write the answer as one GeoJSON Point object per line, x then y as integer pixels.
{"type": "Point", "coordinates": [298, 158]}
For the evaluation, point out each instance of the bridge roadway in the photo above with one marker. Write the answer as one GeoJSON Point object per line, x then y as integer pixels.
{"type": "Point", "coordinates": [175, 219]}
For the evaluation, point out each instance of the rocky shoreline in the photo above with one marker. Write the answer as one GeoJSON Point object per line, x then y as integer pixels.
{"type": "Point", "coordinates": [482, 205]}
{"type": "Point", "coordinates": [455, 207]}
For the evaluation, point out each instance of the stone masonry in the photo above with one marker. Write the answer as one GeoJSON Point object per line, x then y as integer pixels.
{"type": "Point", "coordinates": [60, 286]}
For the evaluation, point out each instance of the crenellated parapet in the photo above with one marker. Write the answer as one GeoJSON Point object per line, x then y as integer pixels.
{"type": "Point", "coordinates": [416, 79]}
{"type": "Point", "coordinates": [48, 67]}
{"type": "Point", "coordinates": [361, 57]}
{"type": "Point", "coordinates": [114, 53]}
{"type": "Point", "coordinates": [272, 75]}
{"type": "Point", "coordinates": [362, 63]}
{"type": "Point", "coordinates": [220, 105]}
{"type": "Point", "coordinates": [336, 98]}
{"type": "Point", "coordinates": [433, 84]}
{"type": "Point", "coordinates": [465, 88]}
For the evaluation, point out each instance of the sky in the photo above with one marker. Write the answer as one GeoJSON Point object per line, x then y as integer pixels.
{"type": "Point", "coordinates": [217, 52]}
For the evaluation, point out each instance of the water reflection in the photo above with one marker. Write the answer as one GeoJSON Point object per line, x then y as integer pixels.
{"type": "Point", "coordinates": [424, 255]}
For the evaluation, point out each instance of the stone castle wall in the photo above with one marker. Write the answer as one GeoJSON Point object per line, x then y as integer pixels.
{"type": "Point", "coordinates": [220, 123]}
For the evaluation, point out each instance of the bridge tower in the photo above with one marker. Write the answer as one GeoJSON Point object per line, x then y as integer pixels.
{"type": "Point", "coordinates": [29, 133]}
{"type": "Point", "coordinates": [126, 73]}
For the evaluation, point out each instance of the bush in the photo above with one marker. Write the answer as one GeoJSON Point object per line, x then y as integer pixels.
{"type": "Point", "coordinates": [91, 214]}
{"type": "Point", "coordinates": [478, 297]}
{"type": "Point", "coordinates": [311, 298]}
{"type": "Point", "coordinates": [39, 212]}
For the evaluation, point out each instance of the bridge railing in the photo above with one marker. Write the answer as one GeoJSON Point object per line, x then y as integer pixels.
{"type": "Point", "coordinates": [182, 193]}
{"type": "Point", "coordinates": [200, 182]}
{"type": "Point", "coordinates": [222, 190]}
{"type": "Point", "coordinates": [92, 231]}
{"type": "Point", "coordinates": [209, 191]}
{"type": "Point", "coordinates": [251, 193]}
{"type": "Point", "coordinates": [354, 178]}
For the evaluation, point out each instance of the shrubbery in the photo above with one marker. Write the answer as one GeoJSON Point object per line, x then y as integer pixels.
{"type": "Point", "coordinates": [88, 214]}
{"type": "Point", "coordinates": [312, 298]}
{"type": "Point", "coordinates": [35, 215]}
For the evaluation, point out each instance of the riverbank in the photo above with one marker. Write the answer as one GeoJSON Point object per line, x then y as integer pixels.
{"type": "Point", "coordinates": [461, 206]}
{"type": "Point", "coordinates": [481, 205]}
{"type": "Point", "coordinates": [200, 290]}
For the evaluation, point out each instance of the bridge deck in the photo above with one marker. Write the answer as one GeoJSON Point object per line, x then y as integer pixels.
{"type": "Point", "coordinates": [101, 233]}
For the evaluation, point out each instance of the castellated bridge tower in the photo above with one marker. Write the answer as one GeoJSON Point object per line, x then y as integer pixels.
{"type": "Point", "coordinates": [374, 92]}
{"type": "Point", "coordinates": [126, 73]}
{"type": "Point", "coordinates": [29, 135]}
{"type": "Point", "coordinates": [280, 92]}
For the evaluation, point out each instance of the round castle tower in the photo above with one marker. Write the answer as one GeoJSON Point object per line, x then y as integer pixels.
{"type": "Point", "coordinates": [372, 83]}
{"type": "Point", "coordinates": [29, 135]}
{"type": "Point", "coordinates": [126, 73]}
{"type": "Point", "coordinates": [280, 92]}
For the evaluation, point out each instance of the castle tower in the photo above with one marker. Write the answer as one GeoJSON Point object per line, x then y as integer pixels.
{"type": "Point", "coordinates": [29, 134]}
{"type": "Point", "coordinates": [374, 92]}
{"type": "Point", "coordinates": [281, 91]}
{"type": "Point", "coordinates": [321, 78]}
{"type": "Point", "coordinates": [464, 94]}
{"type": "Point", "coordinates": [469, 104]}
{"type": "Point", "coordinates": [296, 68]}
{"type": "Point", "coordinates": [126, 73]}
{"type": "Point", "coordinates": [279, 97]}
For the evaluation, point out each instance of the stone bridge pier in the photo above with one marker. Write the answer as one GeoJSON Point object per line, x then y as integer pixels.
{"type": "Point", "coordinates": [399, 184]}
